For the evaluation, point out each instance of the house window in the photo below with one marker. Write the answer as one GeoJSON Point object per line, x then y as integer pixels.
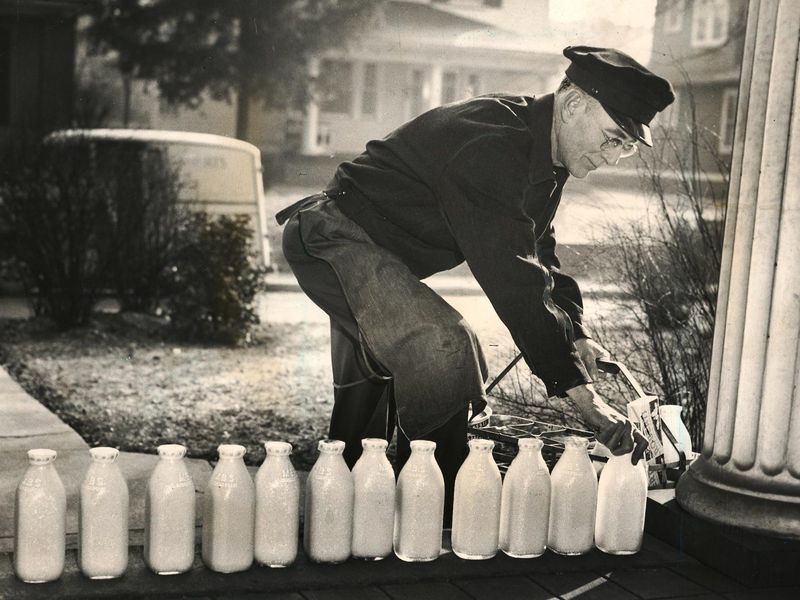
{"type": "Point", "coordinates": [369, 90]}
{"type": "Point", "coordinates": [673, 17]}
{"type": "Point", "coordinates": [710, 22]}
{"type": "Point", "coordinates": [727, 119]}
{"type": "Point", "coordinates": [336, 86]}
{"type": "Point", "coordinates": [5, 77]}
{"type": "Point", "coordinates": [449, 89]}
{"type": "Point", "coordinates": [416, 93]}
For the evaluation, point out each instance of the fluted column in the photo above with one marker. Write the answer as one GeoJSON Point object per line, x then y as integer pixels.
{"type": "Point", "coordinates": [748, 474]}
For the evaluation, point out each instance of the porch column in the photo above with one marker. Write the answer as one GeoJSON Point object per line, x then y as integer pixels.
{"type": "Point", "coordinates": [311, 120]}
{"type": "Point", "coordinates": [748, 474]}
{"type": "Point", "coordinates": [435, 98]}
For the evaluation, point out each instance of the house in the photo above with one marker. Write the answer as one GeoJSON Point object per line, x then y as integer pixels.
{"type": "Point", "coordinates": [415, 55]}
{"type": "Point", "coordinates": [698, 46]}
{"type": "Point", "coordinates": [37, 54]}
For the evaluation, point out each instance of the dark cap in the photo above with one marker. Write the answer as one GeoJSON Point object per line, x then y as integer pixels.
{"type": "Point", "coordinates": [630, 93]}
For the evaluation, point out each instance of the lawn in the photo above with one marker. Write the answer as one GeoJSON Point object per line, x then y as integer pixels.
{"type": "Point", "coordinates": [119, 383]}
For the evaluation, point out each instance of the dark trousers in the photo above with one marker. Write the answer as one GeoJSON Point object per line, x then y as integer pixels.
{"type": "Point", "coordinates": [364, 393]}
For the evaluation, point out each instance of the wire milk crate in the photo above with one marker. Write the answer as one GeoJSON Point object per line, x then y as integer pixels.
{"type": "Point", "coordinates": [507, 430]}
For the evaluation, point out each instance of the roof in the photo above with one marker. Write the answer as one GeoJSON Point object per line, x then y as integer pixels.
{"type": "Point", "coordinates": [438, 25]}
{"type": "Point", "coordinates": [155, 136]}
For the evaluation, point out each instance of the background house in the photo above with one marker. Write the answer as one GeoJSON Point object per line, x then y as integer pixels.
{"type": "Point", "coordinates": [698, 46]}
{"type": "Point", "coordinates": [37, 58]}
{"type": "Point", "coordinates": [416, 54]}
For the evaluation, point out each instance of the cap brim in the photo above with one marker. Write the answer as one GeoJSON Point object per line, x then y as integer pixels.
{"type": "Point", "coordinates": [633, 128]}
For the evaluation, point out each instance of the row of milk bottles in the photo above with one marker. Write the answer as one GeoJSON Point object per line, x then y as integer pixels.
{"type": "Point", "coordinates": [240, 519]}
{"type": "Point", "coordinates": [531, 510]}
{"type": "Point", "coordinates": [362, 513]}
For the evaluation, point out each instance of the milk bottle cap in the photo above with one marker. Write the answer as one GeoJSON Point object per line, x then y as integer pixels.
{"type": "Point", "coordinates": [480, 445]}
{"type": "Point", "coordinates": [576, 441]}
{"type": "Point", "coordinates": [104, 454]}
{"type": "Point", "coordinates": [331, 446]}
{"type": "Point", "coordinates": [41, 456]}
{"type": "Point", "coordinates": [278, 448]}
{"type": "Point", "coordinates": [171, 451]}
{"type": "Point", "coordinates": [374, 444]}
{"type": "Point", "coordinates": [231, 450]}
{"type": "Point", "coordinates": [423, 446]}
{"type": "Point", "coordinates": [530, 443]}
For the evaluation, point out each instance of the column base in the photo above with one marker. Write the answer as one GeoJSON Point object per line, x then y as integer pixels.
{"type": "Point", "coordinates": [751, 559]}
{"type": "Point", "coordinates": [745, 509]}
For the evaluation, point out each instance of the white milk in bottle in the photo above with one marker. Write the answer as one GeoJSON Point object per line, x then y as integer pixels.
{"type": "Point", "coordinates": [373, 508]}
{"type": "Point", "coordinates": [169, 514]}
{"type": "Point", "coordinates": [277, 507]}
{"type": "Point", "coordinates": [573, 500]}
{"type": "Point", "coordinates": [525, 508]}
{"type": "Point", "coordinates": [229, 513]}
{"type": "Point", "coordinates": [40, 520]}
{"type": "Point", "coordinates": [476, 504]}
{"type": "Point", "coordinates": [419, 506]}
{"type": "Point", "coordinates": [328, 528]}
{"type": "Point", "coordinates": [103, 517]}
{"type": "Point", "coordinates": [621, 503]}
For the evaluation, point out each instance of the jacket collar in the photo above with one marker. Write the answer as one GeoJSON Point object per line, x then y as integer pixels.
{"type": "Point", "coordinates": [540, 123]}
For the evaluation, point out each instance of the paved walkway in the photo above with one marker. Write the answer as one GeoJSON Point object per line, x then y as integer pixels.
{"type": "Point", "coordinates": [658, 571]}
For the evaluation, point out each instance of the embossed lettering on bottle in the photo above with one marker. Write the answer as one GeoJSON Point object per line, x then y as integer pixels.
{"type": "Point", "coordinates": [476, 504]}
{"type": "Point", "coordinates": [328, 528]}
{"type": "Point", "coordinates": [277, 507]}
{"type": "Point", "coordinates": [40, 520]}
{"type": "Point", "coordinates": [169, 531]}
{"type": "Point", "coordinates": [373, 510]}
{"type": "Point", "coordinates": [573, 500]}
{"type": "Point", "coordinates": [229, 513]}
{"type": "Point", "coordinates": [419, 506]}
{"type": "Point", "coordinates": [103, 517]}
{"type": "Point", "coordinates": [525, 511]}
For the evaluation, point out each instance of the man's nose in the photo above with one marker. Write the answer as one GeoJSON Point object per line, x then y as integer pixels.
{"type": "Point", "coordinates": [612, 156]}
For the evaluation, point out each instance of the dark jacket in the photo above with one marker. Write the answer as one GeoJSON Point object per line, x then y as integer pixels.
{"type": "Point", "coordinates": [475, 181]}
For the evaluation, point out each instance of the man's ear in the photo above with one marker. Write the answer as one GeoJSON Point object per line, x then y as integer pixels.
{"type": "Point", "coordinates": [573, 103]}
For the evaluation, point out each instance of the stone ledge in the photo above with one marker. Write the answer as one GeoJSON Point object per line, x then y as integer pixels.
{"type": "Point", "coordinates": [140, 582]}
{"type": "Point", "coordinates": [751, 559]}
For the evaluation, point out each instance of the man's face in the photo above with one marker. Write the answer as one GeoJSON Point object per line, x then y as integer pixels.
{"type": "Point", "coordinates": [588, 137]}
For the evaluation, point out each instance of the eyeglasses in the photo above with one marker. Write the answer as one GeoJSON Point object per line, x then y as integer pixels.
{"type": "Point", "coordinates": [627, 148]}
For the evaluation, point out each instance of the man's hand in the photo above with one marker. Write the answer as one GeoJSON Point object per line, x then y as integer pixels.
{"type": "Point", "coordinates": [611, 428]}
{"type": "Point", "coordinates": [590, 351]}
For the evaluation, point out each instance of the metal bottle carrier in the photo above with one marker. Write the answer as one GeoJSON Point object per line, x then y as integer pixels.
{"type": "Point", "coordinates": [507, 430]}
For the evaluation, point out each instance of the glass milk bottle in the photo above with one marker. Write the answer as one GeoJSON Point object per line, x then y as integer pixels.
{"type": "Point", "coordinates": [277, 507]}
{"type": "Point", "coordinates": [419, 506]}
{"type": "Point", "coordinates": [525, 507]}
{"type": "Point", "coordinates": [671, 417]}
{"type": "Point", "coordinates": [373, 507]}
{"type": "Point", "coordinates": [476, 504]}
{"type": "Point", "coordinates": [621, 503]}
{"type": "Point", "coordinates": [229, 513]}
{"type": "Point", "coordinates": [103, 517]}
{"type": "Point", "coordinates": [573, 500]}
{"type": "Point", "coordinates": [40, 520]}
{"type": "Point", "coordinates": [328, 529]}
{"type": "Point", "coordinates": [169, 514]}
